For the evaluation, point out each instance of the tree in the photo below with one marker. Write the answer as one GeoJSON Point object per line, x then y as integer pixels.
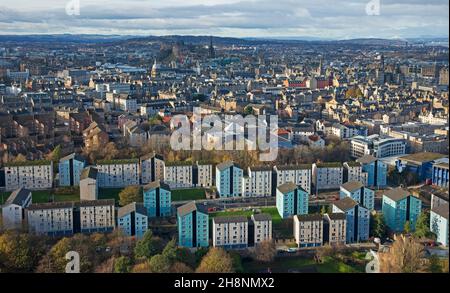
{"type": "Point", "coordinates": [422, 226]}
{"type": "Point", "coordinates": [216, 260]}
{"type": "Point", "coordinates": [122, 264]}
{"type": "Point", "coordinates": [265, 251]}
{"type": "Point", "coordinates": [378, 226]}
{"type": "Point", "coordinates": [170, 251]}
{"type": "Point", "coordinates": [130, 194]}
{"type": "Point", "coordinates": [20, 158]}
{"type": "Point", "coordinates": [404, 256]}
{"type": "Point", "coordinates": [407, 227]}
{"type": "Point", "coordinates": [434, 264]}
{"type": "Point", "coordinates": [159, 264]}
{"type": "Point", "coordinates": [148, 246]}
{"type": "Point", "coordinates": [19, 252]}
{"type": "Point", "coordinates": [141, 268]}
{"type": "Point", "coordinates": [180, 268]}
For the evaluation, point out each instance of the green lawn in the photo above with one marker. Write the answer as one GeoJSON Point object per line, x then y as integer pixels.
{"type": "Point", "coordinates": [282, 228]}
{"type": "Point", "coordinates": [109, 193]}
{"type": "Point", "coordinates": [284, 264]}
{"type": "Point", "coordinates": [188, 194]}
{"type": "Point", "coordinates": [43, 196]}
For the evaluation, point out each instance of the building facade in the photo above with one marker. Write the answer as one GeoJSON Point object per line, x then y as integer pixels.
{"type": "Point", "coordinates": [400, 206]}
{"type": "Point", "coordinates": [230, 232]}
{"type": "Point", "coordinates": [118, 173]}
{"type": "Point", "coordinates": [158, 199]}
{"type": "Point", "coordinates": [229, 180]}
{"type": "Point", "coordinates": [132, 220]}
{"type": "Point", "coordinates": [260, 229]}
{"type": "Point", "coordinates": [300, 175]}
{"type": "Point", "coordinates": [335, 228]}
{"type": "Point", "coordinates": [97, 216]}
{"type": "Point", "coordinates": [358, 219]}
{"type": "Point", "coordinates": [308, 230]}
{"type": "Point", "coordinates": [193, 226]}
{"type": "Point", "coordinates": [52, 219]}
{"type": "Point", "coordinates": [32, 175]}
{"type": "Point", "coordinates": [291, 200]}
{"type": "Point", "coordinates": [70, 168]}
{"type": "Point", "coordinates": [178, 174]}
{"type": "Point", "coordinates": [376, 171]}
{"type": "Point", "coordinates": [88, 184]}
{"type": "Point", "coordinates": [362, 195]}
{"type": "Point", "coordinates": [13, 210]}
{"type": "Point", "coordinates": [152, 168]}
{"type": "Point", "coordinates": [327, 175]}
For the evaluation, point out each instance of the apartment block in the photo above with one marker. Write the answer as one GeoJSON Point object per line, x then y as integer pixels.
{"type": "Point", "coordinates": [203, 175]}
{"type": "Point", "coordinates": [376, 171]}
{"type": "Point", "coordinates": [178, 174]}
{"type": "Point", "coordinates": [358, 219]}
{"type": "Point", "coordinates": [300, 175]}
{"type": "Point", "coordinates": [152, 168]}
{"type": "Point", "coordinates": [132, 220]}
{"type": "Point", "coordinates": [440, 174]}
{"type": "Point", "coordinates": [260, 229]}
{"type": "Point", "coordinates": [32, 175]}
{"type": "Point", "coordinates": [308, 230]}
{"type": "Point", "coordinates": [70, 168]}
{"type": "Point", "coordinates": [291, 200]}
{"type": "Point", "coordinates": [400, 206]}
{"type": "Point", "coordinates": [89, 184]}
{"type": "Point", "coordinates": [52, 219]}
{"type": "Point", "coordinates": [229, 180]}
{"type": "Point", "coordinates": [259, 182]}
{"type": "Point", "coordinates": [158, 199]}
{"type": "Point", "coordinates": [13, 210]}
{"type": "Point", "coordinates": [362, 195]}
{"type": "Point", "coordinates": [118, 173]}
{"type": "Point", "coordinates": [327, 175]}
{"type": "Point", "coordinates": [230, 232]}
{"type": "Point", "coordinates": [96, 216]}
{"type": "Point", "coordinates": [353, 171]}
{"type": "Point", "coordinates": [335, 228]}
{"type": "Point", "coordinates": [439, 223]}
{"type": "Point", "coordinates": [193, 225]}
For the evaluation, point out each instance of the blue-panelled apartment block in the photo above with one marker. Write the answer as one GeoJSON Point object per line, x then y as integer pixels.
{"type": "Point", "coordinates": [376, 171]}
{"type": "Point", "coordinates": [229, 179]}
{"type": "Point", "coordinates": [440, 174]}
{"type": "Point", "coordinates": [158, 199]}
{"type": "Point", "coordinates": [358, 219]}
{"type": "Point", "coordinates": [132, 220]}
{"type": "Point", "coordinates": [362, 195]}
{"type": "Point", "coordinates": [70, 168]}
{"type": "Point", "coordinates": [193, 225]}
{"type": "Point", "coordinates": [291, 200]}
{"type": "Point", "coordinates": [400, 206]}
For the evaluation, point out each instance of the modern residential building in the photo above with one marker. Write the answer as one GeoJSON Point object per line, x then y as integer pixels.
{"type": "Point", "coordinates": [88, 184]}
{"type": "Point", "coordinates": [158, 199]}
{"type": "Point", "coordinates": [230, 232]}
{"type": "Point", "coordinates": [193, 225]}
{"type": "Point", "coordinates": [203, 175]}
{"type": "Point", "coordinates": [70, 168]}
{"type": "Point", "coordinates": [400, 206]}
{"type": "Point", "coordinates": [335, 228]}
{"type": "Point", "coordinates": [132, 219]}
{"type": "Point", "coordinates": [362, 195]}
{"type": "Point", "coordinates": [13, 210]}
{"type": "Point", "coordinates": [358, 219]}
{"type": "Point", "coordinates": [377, 146]}
{"type": "Point", "coordinates": [260, 229]}
{"type": "Point", "coordinates": [439, 223]}
{"type": "Point", "coordinates": [440, 175]}
{"type": "Point", "coordinates": [376, 171]}
{"type": "Point", "coordinates": [420, 164]}
{"type": "Point", "coordinates": [327, 175]}
{"type": "Point", "coordinates": [308, 230]}
{"type": "Point", "coordinates": [229, 180]}
{"type": "Point", "coordinates": [32, 175]}
{"type": "Point", "coordinates": [291, 200]}
{"type": "Point", "coordinates": [152, 168]}
{"type": "Point", "coordinates": [259, 182]}
{"type": "Point", "coordinates": [52, 219]}
{"type": "Point", "coordinates": [353, 171]}
{"type": "Point", "coordinates": [300, 175]}
{"type": "Point", "coordinates": [118, 173]}
{"type": "Point", "coordinates": [96, 216]}
{"type": "Point", "coordinates": [178, 174]}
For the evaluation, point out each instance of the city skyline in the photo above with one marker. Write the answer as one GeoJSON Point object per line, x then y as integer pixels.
{"type": "Point", "coordinates": [287, 19]}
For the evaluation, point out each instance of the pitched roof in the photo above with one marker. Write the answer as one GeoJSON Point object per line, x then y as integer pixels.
{"type": "Point", "coordinates": [18, 197]}
{"type": "Point", "coordinates": [262, 217]}
{"type": "Point", "coordinates": [224, 165]}
{"type": "Point", "coordinates": [345, 204]}
{"type": "Point", "coordinates": [287, 187]}
{"type": "Point", "coordinates": [75, 156]}
{"type": "Point", "coordinates": [352, 185]}
{"type": "Point", "coordinates": [95, 203]}
{"type": "Point", "coordinates": [397, 193]}
{"type": "Point", "coordinates": [51, 205]}
{"type": "Point", "coordinates": [189, 208]}
{"type": "Point", "coordinates": [309, 217]}
{"type": "Point", "coordinates": [366, 159]}
{"type": "Point", "coordinates": [132, 207]}
{"type": "Point", "coordinates": [442, 210]}
{"type": "Point", "coordinates": [231, 219]}
{"type": "Point", "coordinates": [89, 172]}
{"type": "Point", "coordinates": [337, 216]}
{"type": "Point", "coordinates": [156, 184]}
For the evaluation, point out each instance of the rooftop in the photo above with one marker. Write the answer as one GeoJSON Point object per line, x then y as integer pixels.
{"type": "Point", "coordinates": [423, 157]}
{"type": "Point", "coordinates": [230, 219]}
{"type": "Point", "coordinates": [352, 185]}
{"type": "Point", "coordinates": [345, 204]}
{"type": "Point", "coordinates": [397, 193]}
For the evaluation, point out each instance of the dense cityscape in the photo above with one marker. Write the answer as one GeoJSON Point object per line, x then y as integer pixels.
{"type": "Point", "coordinates": [87, 163]}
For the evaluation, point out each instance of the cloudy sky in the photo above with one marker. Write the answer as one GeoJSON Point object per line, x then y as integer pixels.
{"type": "Point", "coordinates": [334, 19]}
